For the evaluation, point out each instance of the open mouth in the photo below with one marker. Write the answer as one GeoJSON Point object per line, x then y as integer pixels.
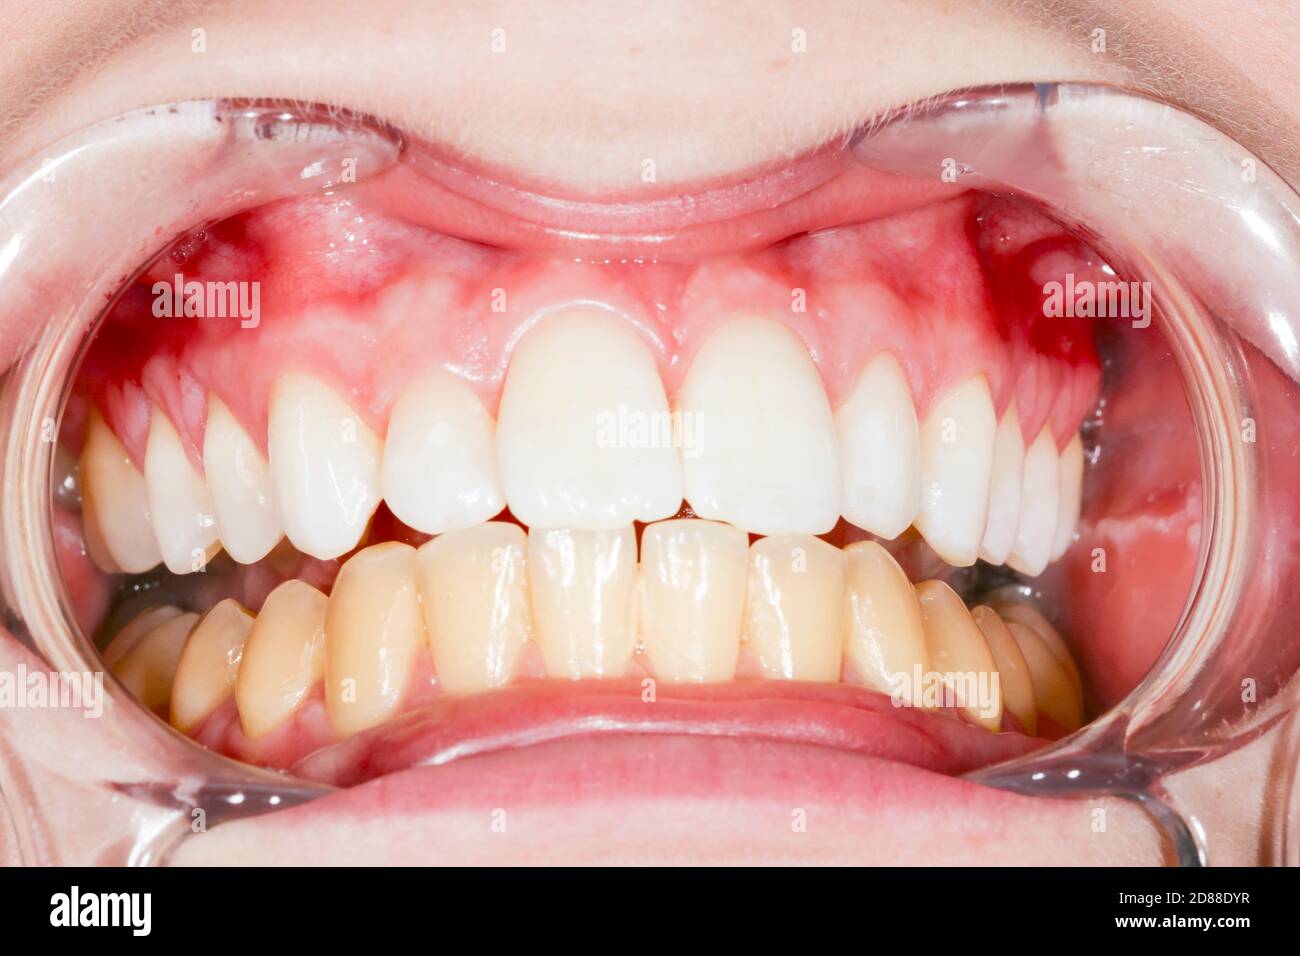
{"type": "Point", "coordinates": [429, 483]}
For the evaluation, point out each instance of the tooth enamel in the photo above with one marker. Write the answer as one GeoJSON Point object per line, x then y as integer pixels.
{"type": "Point", "coordinates": [324, 467]}
{"type": "Point", "coordinates": [793, 605]}
{"type": "Point", "coordinates": [209, 664]}
{"type": "Point", "coordinates": [584, 435]}
{"type": "Point", "coordinates": [879, 447]}
{"type": "Point", "coordinates": [1038, 507]}
{"type": "Point", "coordinates": [1055, 692]}
{"type": "Point", "coordinates": [179, 503]}
{"type": "Point", "coordinates": [883, 633]}
{"type": "Point", "coordinates": [1032, 619]}
{"type": "Point", "coordinates": [138, 627]}
{"type": "Point", "coordinates": [691, 599]}
{"type": "Point", "coordinates": [1005, 490]}
{"type": "Point", "coordinates": [582, 587]}
{"type": "Point", "coordinates": [373, 632]}
{"type": "Point", "coordinates": [957, 647]}
{"type": "Point", "coordinates": [284, 657]}
{"type": "Point", "coordinates": [765, 458]}
{"type": "Point", "coordinates": [1067, 516]}
{"type": "Point", "coordinates": [1013, 671]}
{"type": "Point", "coordinates": [957, 471]}
{"type": "Point", "coordinates": [148, 668]}
{"type": "Point", "coordinates": [474, 595]}
{"type": "Point", "coordinates": [115, 504]}
{"type": "Point", "coordinates": [440, 459]}
{"type": "Point", "coordinates": [239, 480]}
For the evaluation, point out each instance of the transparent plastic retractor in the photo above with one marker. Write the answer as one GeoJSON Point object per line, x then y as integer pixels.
{"type": "Point", "coordinates": [1168, 199]}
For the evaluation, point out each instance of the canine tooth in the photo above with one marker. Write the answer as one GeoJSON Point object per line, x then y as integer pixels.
{"type": "Point", "coordinates": [239, 480]}
{"type": "Point", "coordinates": [765, 460]}
{"type": "Point", "coordinates": [572, 454]}
{"type": "Point", "coordinates": [474, 595]}
{"type": "Point", "coordinates": [793, 606]}
{"type": "Point", "coordinates": [958, 649]}
{"type": "Point", "coordinates": [879, 446]}
{"type": "Point", "coordinates": [1038, 507]}
{"type": "Point", "coordinates": [1004, 491]}
{"type": "Point", "coordinates": [440, 458]}
{"type": "Point", "coordinates": [1032, 619]}
{"type": "Point", "coordinates": [1056, 694]}
{"type": "Point", "coordinates": [136, 628]}
{"type": "Point", "coordinates": [115, 504]}
{"type": "Point", "coordinates": [957, 471]}
{"type": "Point", "coordinates": [1067, 517]}
{"type": "Point", "coordinates": [582, 586]}
{"type": "Point", "coordinates": [284, 657]}
{"type": "Point", "coordinates": [324, 466]}
{"type": "Point", "coordinates": [692, 598]}
{"type": "Point", "coordinates": [373, 631]}
{"type": "Point", "coordinates": [179, 503]}
{"type": "Point", "coordinates": [209, 664]}
{"type": "Point", "coordinates": [883, 633]}
{"type": "Point", "coordinates": [1013, 671]}
{"type": "Point", "coordinates": [148, 668]}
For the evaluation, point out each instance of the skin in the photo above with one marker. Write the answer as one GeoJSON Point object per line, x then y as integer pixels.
{"type": "Point", "coordinates": [709, 95]}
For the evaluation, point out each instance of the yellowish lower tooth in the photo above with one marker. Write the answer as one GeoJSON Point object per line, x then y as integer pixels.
{"type": "Point", "coordinates": [1032, 619]}
{"type": "Point", "coordinates": [373, 633]}
{"type": "Point", "coordinates": [793, 607]}
{"type": "Point", "coordinates": [582, 585]}
{"type": "Point", "coordinates": [883, 633]}
{"type": "Point", "coordinates": [474, 595]}
{"type": "Point", "coordinates": [209, 664]}
{"type": "Point", "coordinates": [147, 670]}
{"type": "Point", "coordinates": [284, 656]}
{"type": "Point", "coordinates": [138, 627]}
{"type": "Point", "coordinates": [1057, 696]}
{"type": "Point", "coordinates": [959, 651]}
{"type": "Point", "coordinates": [1017, 682]}
{"type": "Point", "coordinates": [692, 597]}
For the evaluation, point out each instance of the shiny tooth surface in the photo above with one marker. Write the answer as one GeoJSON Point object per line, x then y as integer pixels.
{"type": "Point", "coordinates": [474, 595]}
{"type": "Point", "coordinates": [1071, 495]}
{"type": "Point", "coordinates": [209, 664]}
{"type": "Point", "coordinates": [956, 471]}
{"type": "Point", "coordinates": [239, 481]}
{"type": "Point", "coordinates": [1013, 670]}
{"type": "Point", "coordinates": [1032, 618]}
{"type": "Point", "coordinates": [373, 633]}
{"type": "Point", "coordinates": [325, 465]}
{"type": "Point", "coordinates": [692, 598]}
{"type": "Point", "coordinates": [582, 586]}
{"type": "Point", "coordinates": [284, 657]}
{"type": "Point", "coordinates": [1056, 694]}
{"type": "Point", "coordinates": [1005, 489]}
{"type": "Point", "coordinates": [115, 504]}
{"type": "Point", "coordinates": [136, 628]}
{"type": "Point", "coordinates": [440, 459]}
{"type": "Point", "coordinates": [883, 633]}
{"type": "Point", "coordinates": [148, 668]}
{"type": "Point", "coordinates": [584, 435]}
{"type": "Point", "coordinates": [765, 458]}
{"type": "Point", "coordinates": [179, 504]}
{"type": "Point", "coordinates": [1038, 507]}
{"type": "Point", "coordinates": [879, 450]}
{"type": "Point", "coordinates": [957, 647]}
{"type": "Point", "coordinates": [793, 605]}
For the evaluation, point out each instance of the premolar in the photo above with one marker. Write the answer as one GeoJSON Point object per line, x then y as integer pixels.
{"type": "Point", "coordinates": [115, 504]}
{"type": "Point", "coordinates": [209, 664]}
{"type": "Point", "coordinates": [284, 657]}
{"type": "Point", "coordinates": [1038, 507]}
{"type": "Point", "coordinates": [959, 651]}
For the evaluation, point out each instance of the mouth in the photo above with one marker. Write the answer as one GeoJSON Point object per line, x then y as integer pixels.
{"type": "Point", "coordinates": [421, 486]}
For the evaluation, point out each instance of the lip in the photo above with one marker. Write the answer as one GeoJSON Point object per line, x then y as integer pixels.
{"type": "Point", "coordinates": [831, 717]}
{"type": "Point", "coordinates": [820, 190]}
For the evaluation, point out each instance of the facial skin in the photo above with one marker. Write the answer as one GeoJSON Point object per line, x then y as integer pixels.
{"type": "Point", "coordinates": [581, 95]}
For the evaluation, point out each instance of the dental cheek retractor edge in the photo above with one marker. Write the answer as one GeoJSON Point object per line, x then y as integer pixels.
{"type": "Point", "coordinates": [1153, 181]}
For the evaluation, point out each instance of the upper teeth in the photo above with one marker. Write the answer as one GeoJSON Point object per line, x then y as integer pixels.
{"type": "Point", "coordinates": [587, 439]}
